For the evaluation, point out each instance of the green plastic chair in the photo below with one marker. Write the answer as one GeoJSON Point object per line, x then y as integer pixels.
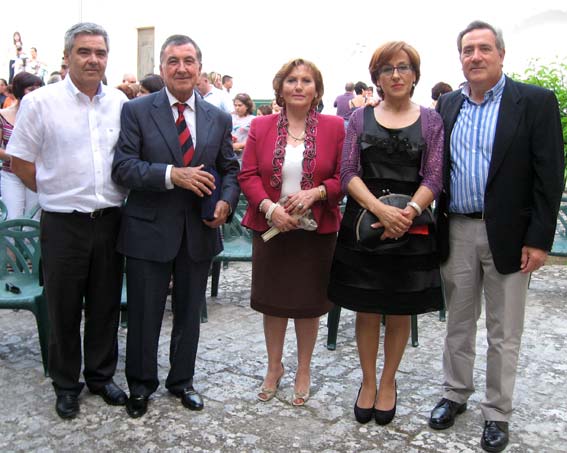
{"type": "Point", "coordinates": [20, 288]}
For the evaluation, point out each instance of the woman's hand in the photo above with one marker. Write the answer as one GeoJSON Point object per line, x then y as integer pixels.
{"type": "Point", "coordinates": [299, 202]}
{"type": "Point", "coordinates": [283, 221]}
{"type": "Point", "coordinates": [395, 221]}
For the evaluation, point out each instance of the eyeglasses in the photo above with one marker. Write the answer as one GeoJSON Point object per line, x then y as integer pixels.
{"type": "Point", "coordinates": [402, 69]}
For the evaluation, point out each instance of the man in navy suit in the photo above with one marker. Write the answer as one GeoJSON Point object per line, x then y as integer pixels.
{"type": "Point", "coordinates": [503, 184]}
{"type": "Point", "coordinates": [162, 232]}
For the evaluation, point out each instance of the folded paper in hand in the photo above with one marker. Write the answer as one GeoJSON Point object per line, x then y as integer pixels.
{"type": "Point", "coordinates": [306, 222]}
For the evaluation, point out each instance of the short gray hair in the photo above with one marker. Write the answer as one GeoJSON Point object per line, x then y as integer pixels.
{"type": "Point", "coordinates": [480, 25]}
{"type": "Point", "coordinates": [179, 40]}
{"type": "Point", "coordinates": [84, 28]}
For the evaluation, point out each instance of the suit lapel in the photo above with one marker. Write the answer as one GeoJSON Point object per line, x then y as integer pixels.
{"type": "Point", "coordinates": [163, 118]}
{"type": "Point", "coordinates": [509, 117]}
{"type": "Point", "coordinates": [449, 113]}
{"type": "Point", "coordinates": [203, 119]}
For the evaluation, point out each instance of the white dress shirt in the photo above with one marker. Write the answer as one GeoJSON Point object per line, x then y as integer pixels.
{"type": "Point", "coordinates": [70, 139]}
{"type": "Point", "coordinates": [219, 99]}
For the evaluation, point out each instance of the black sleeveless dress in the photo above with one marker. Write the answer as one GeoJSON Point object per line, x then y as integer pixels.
{"type": "Point", "coordinates": [399, 281]}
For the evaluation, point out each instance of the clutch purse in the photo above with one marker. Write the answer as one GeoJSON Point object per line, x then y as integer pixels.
{"type": "Point", "coordinates": [368, 238]}
{"type": "Point", "coordinates": [209, 202]}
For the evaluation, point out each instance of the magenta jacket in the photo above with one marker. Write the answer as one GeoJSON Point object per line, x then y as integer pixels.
{"type": "Point", "coordinates": [257, 168]}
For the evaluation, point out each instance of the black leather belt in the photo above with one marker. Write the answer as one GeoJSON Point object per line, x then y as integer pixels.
{"type": "Point", "coordinates": [96, 214]}
{"type": "Point", "coordinates": [474, 215]}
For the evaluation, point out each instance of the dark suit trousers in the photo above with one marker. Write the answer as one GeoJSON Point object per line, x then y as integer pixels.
{"type": "Point", "coordinates": [147, 283]}
{"type": "Point", "coordinates": [80, 263]}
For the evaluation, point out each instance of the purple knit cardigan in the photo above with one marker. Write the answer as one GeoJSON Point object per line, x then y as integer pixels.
{"type": "Point", "coordinates": [431, 160]}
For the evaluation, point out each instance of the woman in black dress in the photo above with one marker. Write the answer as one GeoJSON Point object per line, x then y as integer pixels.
{"type": "Point", "coordinates": [395, 147]}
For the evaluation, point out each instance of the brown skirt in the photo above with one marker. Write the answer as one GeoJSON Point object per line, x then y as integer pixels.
{"type": "Point", "coordinates": [290, 274]}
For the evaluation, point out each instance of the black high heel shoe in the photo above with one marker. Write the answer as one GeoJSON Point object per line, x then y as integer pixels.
{"type": "Point", "coordinates": [384, 417]}
{"type": "Point", "coordinates": [362, 414]}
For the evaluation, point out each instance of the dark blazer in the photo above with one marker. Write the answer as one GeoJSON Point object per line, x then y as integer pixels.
{"type": "Point", "coordinates": [525, 178]}
{"type": "Point", "coordinates": [154, 217]}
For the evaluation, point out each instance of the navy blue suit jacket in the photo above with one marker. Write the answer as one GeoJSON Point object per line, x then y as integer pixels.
{"type": "Point", "coordinates": [525, 177]}
{"type": "Point", "coordinates": [154, 217]}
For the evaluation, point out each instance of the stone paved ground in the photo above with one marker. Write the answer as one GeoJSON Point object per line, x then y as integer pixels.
{"type": "Point", "coordinates": [230, 368]}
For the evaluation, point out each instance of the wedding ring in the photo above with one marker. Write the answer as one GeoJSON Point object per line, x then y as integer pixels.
{"type": "Point", "coordinates": [300, 205]}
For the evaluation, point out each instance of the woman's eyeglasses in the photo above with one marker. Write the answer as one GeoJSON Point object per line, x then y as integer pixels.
{"type": "Point", "coordinates": [402, 69]}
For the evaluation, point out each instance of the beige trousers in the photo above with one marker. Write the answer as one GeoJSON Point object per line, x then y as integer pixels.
{"type": "Point", "coordinates": [468, 272]}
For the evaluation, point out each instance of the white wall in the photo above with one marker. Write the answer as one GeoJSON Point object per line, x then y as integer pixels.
{"type": "Point", "coordinates": [251, 39]}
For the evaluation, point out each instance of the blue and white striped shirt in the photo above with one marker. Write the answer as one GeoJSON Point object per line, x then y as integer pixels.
{"type": "Point", "coordinates": [472, 140]}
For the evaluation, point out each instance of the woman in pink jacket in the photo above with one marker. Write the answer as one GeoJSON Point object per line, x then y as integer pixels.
{"type": "Point", "coordinates": [290, 170]}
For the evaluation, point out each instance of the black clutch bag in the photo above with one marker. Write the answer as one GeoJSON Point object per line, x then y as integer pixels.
{"type": "Point", "coordinates": [368, 238]}
{"type": "Point", "coordinates": [209, 202]}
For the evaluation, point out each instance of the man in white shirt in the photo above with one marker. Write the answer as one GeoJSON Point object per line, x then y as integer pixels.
{"type": "Point", "coordinates": [213, 95]}
{"type": "Point", "coordinates": [227, 83]}
{"type": "Point", "coordinates": [62, 147]}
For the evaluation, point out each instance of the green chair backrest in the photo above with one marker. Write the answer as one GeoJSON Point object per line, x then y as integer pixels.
{"type": "Point", "coordinates": [20, 249]}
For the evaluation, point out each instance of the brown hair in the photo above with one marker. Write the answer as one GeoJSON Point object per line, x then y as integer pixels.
{"type": "Point", "coordinates": [247, 101]}
{"type": "Point", "coordinates": [384, 53]}
{"type": "Point", "coordinates": [24, 80]}
{"type": "Point", "coordinates": [286, 69]}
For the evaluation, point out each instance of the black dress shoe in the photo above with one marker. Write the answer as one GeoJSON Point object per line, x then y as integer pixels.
{"type": "Point", "coordinates": [385, 417]}
{"type": "Point", "coordinates": [111, 394]}
{"type": "Point", "coordinates": [443, 415]}
{"type": "Point", "coordinates": [137, 405]}
{"type": "Point", "coordinates": [495, 436]}
{"type": "Point", "coordinates": [362, 414]}
{"type": "Point", "coordinates": [67, 406]}
{"type": "Point", "coordinates": [190, 398]}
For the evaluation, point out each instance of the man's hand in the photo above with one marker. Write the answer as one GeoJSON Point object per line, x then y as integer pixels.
{"type": "Point", "coordinates": [532, 259]}
{"type": "Point", "coordinates": [194, 179]}
{"type": "Point", "coordinates": [221, 214]}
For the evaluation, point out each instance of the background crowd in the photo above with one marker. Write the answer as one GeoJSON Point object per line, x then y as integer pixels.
{"type": "Point", "coordinates": [157, 199]}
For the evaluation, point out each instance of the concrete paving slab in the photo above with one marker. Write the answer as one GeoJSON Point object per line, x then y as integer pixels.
{"type": "Point", "coordinates": [230, 367]}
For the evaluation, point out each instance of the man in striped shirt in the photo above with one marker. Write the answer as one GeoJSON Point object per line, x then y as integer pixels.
{"type": "Point", "coordinates": [503, 183]}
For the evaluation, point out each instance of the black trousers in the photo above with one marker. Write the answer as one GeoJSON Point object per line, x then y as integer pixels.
{"type": "Point", "coordinates": [80, 263]}
{"type": "Point", "coordinates": [147, 284]}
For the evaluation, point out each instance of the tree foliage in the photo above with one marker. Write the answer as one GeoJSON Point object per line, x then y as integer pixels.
{"type": "Point", "coordinates": [552, 76]}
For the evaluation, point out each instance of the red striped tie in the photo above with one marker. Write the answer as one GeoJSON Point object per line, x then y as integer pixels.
{"type": "Point", "coordinates": [185, 140]}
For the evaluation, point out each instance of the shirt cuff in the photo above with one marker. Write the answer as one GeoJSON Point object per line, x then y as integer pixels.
{"type": "Point", "coordinates": [168, 183]}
